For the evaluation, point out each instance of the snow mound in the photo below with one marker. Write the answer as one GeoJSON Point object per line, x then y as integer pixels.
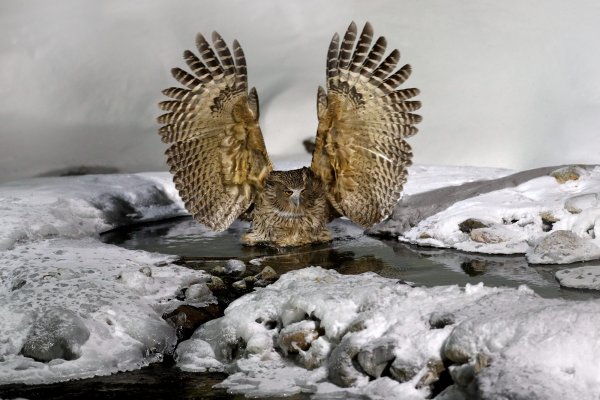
{"type": "Point", "coordinates": [321, 332]}
{"type": "Point", "coordinates": [81, 206]}
{"type": "Point", "coordinates": [530, 218]}
{"type": "Point", "coordinates": [74, 308]}
{"type": "Point", "coordinates": [580, 278]}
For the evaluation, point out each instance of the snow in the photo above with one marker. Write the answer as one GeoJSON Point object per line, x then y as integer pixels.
{"type": "Point", "coordinates": [72, 307]}
{"type": "Point", "coordinates": [580, 278]}
{"type": "Point", "coordinates": [504, 343]}
{"type": "Point", "coordinates": [470, 60]}
{"type": "Point", "coordinates": [515, 221]}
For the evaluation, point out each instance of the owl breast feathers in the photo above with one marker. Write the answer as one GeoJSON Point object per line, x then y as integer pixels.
{"type": "Point", "coordinates": [220, 164]}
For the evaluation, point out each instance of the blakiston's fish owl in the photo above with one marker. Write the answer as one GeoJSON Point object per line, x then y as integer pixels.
{"type": "Point", "coordinates": [220, 164]}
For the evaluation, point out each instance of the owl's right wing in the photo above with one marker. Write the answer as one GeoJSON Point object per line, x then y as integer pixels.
{"type": "Point", "coordinates": [217, 154]}
{"type": "Point", "coordinates": [360, 151]}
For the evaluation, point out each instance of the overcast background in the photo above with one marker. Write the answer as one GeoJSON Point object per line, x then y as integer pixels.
{"type": "Point", "coordinates": [504, 83]}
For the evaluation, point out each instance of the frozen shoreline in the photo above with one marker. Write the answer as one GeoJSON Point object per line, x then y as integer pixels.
{"type": "Point", "coordinates": [102, 304]}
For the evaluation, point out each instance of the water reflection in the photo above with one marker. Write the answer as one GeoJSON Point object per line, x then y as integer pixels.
{"type": "Point", "coordinates": [351, 252]}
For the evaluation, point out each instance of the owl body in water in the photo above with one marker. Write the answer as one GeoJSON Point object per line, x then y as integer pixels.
{"type": "Point", "coordinates": [219, 161]}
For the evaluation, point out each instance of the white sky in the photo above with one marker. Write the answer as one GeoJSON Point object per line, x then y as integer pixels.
{"type": "Point", "coordinates": [508, 84]}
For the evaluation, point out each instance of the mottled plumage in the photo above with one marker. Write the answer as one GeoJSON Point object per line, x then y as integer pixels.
{"type": "Point", "coordinates": [220, 164]}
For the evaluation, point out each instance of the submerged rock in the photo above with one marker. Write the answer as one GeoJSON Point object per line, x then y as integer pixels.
{"type": "Point", "coordinates": [57, 334]}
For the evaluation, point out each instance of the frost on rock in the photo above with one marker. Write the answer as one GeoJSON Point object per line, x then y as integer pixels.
{"type": "Point", "coordinates": [317, 331]}
{"type": "Point", "coordinates": [75, 308]}
{"type": "Point", "coordinates": [537, 212]}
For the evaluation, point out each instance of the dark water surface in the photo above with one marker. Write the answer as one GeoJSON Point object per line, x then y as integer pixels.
{"type": "Point", "coordinates": [351, 252]}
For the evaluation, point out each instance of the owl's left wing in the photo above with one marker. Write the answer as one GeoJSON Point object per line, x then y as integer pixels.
{"type": "Point", "coordinates": [360, 152]}
{"type": "Point", "coordinates": [217, 154]}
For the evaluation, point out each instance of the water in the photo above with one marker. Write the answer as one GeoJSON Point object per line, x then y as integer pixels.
{"type": "Point", "coordinates": [351, 252]}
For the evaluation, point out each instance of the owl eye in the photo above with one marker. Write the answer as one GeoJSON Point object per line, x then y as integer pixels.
{"type": "Point", "coordinates": [288, 192]}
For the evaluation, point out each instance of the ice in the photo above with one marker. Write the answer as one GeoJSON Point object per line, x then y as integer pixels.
{"type": "Point", "coordinates": [500, 343]}
{"type": "Point", "coordinates": [517, 220]}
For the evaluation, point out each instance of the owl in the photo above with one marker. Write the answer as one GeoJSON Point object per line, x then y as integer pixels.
{"type": "Point", "coordinates": [220, 164]}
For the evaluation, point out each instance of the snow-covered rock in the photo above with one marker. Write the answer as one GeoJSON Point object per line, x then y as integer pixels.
{"type": "Point", "coordinates": [526, 213]}
{"type": "Point", "coordinates": [580, 277]}
{"type": "Point", "coordinates": [536, 348]}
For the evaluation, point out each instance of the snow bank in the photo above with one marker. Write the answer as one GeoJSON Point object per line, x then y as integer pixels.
{"type": "Point", "coordinates": [81, 206]}
{"type": "Point", "coordinates": [376, 337]}
{"type": "Point", "coordinates": [74, 308]}
{"type": "Point", "coordinates": [553, 219]}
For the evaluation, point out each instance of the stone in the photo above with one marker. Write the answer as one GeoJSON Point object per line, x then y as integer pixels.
{"type": "Point", "coordinates": [147, 271]}
{"type": "Point", "coordinates": [439, 320]}
{"type": "Point", "coordinates": [563, 247]}
{"type": "Point", "coordinates": [432, 375]}
{"type": "Point", "coordinates": [198, 292]}
{"type": "Point", "coordinates": [57, 333]}
{"type": "Point", "coordinates": [267, 274]}
{"type": "Point", "coordinates": [577, 204]}
{"type": "Point", "coordinates": [376, 357]}
{"type": "Point", "coordinates": [297, 336]}
{"type": "Point", "coordinates": [487, 235]}
{"type": "Point", "coordinates": [469, 224]}
{"type": "Point", "coordinates": [186, 319]}
{"type": "Point", "coordinates": [240, 285]}
{"type": "Point", "coordinates": [234, 266]}
{"type": "Point", "coordinates": [342, 371]}
{"type": "Point", "coordinates": [565, 174]}
{"type": "Point", "coordinates": [216, 284]}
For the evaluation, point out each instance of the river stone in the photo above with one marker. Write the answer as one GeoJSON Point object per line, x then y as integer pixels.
{"type": "Point", "coordinates": [580, 278]}
{"type": "Point", "coordinates": [267, 274]}
{"type": "Point", "coordinates": [487, 235]}
{"type": "Point", "coordinates": [563, 247]}
{"type": "Point", "coordinates": [342, 370]}
{"type": "Point", "coordinates": [376, 356]}
{"type": "Point", "coordinates": [58, 333]}
{"type": "Point", "coordinates": [297, 336]}
{"type": "Point", "coordinates": [577, 204]}
{"type": "Point", "coordinates": [469, 224]}
{"type": "Point", "coordinates": [234, 266]}
{"type": "Point", "coordinates": [186, 319]}
{"type": "Point", "coordinates": [565, 174]}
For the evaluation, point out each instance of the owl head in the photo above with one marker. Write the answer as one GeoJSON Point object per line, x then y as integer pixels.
{"type": "Point", "coordinates": [293, 192]}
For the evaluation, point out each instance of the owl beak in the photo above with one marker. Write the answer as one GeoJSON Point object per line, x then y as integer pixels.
{"type": "Point", "coordinates": [295, 198]}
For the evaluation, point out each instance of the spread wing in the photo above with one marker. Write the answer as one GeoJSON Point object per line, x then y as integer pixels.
{"type": "Point", "coordinates": [217, 153]}
{"type": "Point", "coordinates": [360, 151]}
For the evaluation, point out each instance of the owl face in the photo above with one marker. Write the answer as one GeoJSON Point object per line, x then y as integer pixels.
{"type": "Point", "coordinates": [292, 193]}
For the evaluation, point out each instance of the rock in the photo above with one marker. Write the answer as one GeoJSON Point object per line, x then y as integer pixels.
{"type": "Point", "coordinates": [580, 278]}
{"type": "Point", "coordinates": [57, 333]}
{"type": "Point", "coordinates": [425, 235]}
{"type": "Point", "coordinates": [376, 357]}
{"type": "Point", "coordinates": [439, 320]}
{"type": "Point", "coordinates": [548, 220]}
{"type": "Point", "coordinates": [147, 271]}
{"type": "Point", "coordinates": [267, 274]}
{"type": "Point", "coordinates": [401, 371]}
{"type": "Point", "coordinates": [577, 204]}
{"type": "Point", "coordinates": [216, 285]}
{"type": "Point", "coordinates": [563, 247]}
{"type": "Point", "coordinates": [198, 292]}
{"type": "Point", "coordinates": [234, 266]}
{"type": "Point", "coordinates": [297, 336]}
{"type": "Point", "coordinates": [240, 285]}
{"type": "Point", "coordinates": [565, 174]}
{"type": "Point", "coordinates": [434, 370]}
{"type": "Point", "coordinates": [469, 224]}
{"type": "Point", "coordinates": [342, 371]}
{"type": "Point", "coordinates": [186, 319]}
{"type": "Point", "coordinates": [487, 235]}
